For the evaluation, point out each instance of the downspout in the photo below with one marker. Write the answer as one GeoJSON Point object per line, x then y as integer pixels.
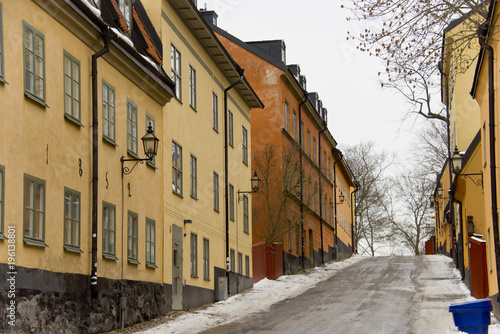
{"type": "Point", "coordinates": [335, 236]}
{"type": "Point", "coordinates": [301, 181]}
{"type": "Point", "coordinates": [460, 243]}
{"type": "Point", "coordinates": [226, 170]}
{"type": "Point", "coordinates": [354, 249]}
{"type": "Point", "coordinates": [320, 194]}
{"type": "Point", "coordinates": [482, 34]}
{"type": "Point", "coordinates": [107, 35]}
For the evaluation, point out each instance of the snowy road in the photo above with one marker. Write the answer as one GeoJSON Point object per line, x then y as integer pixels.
{"type": "Point", "coordinates": [360, 295]}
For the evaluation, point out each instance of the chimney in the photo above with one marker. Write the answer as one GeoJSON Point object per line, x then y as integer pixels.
{"type": "Point", "coordinates": [209, 15]}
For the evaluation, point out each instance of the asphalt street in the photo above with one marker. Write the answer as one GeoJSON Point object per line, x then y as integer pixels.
{"type": "Point", "coordinates": [375, 295]}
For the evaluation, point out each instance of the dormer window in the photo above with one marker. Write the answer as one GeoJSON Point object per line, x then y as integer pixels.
{"type": "Point", "coordinates": [126, 9]}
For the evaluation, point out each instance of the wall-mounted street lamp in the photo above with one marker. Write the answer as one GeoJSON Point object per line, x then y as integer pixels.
{"type": "Point", "coordinates": [456, 161]}
{"type": "Point", "coordinates": [150, 143]}
{"type": "Point", "coordinates": [255, 181]}
{"type": "Point", "coordinates": [341, 198]}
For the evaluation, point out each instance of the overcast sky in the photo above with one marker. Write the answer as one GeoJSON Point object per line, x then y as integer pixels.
{"type": "Point", "coordinates": [345, 79]}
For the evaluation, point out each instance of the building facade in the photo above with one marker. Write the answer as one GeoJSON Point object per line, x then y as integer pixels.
{"type": "Point", "coordinates": [96, 233]}
{"type": "Point", "coordinates": [293, 154]}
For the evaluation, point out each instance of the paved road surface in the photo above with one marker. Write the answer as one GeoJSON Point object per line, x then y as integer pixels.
{"type": "Point", "coordinates": [376, 295]}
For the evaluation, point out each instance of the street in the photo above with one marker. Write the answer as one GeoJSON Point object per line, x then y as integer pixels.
{"type": "Point", "coordinates": [370, 295]}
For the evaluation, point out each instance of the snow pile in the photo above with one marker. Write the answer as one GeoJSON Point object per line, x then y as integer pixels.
{"type": "Point", "coordinates": [260, 298]}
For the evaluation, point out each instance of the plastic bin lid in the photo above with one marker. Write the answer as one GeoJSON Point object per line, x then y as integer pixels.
{"type": "Point", "coordinates": [481, 303]}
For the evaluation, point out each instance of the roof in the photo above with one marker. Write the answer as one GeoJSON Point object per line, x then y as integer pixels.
{"type": "Point", "coordinates": [250, 47]}
{"type": "Point", "coordinates": [188, 12]}
{"type": "Point", "coordinates": [142, 45]}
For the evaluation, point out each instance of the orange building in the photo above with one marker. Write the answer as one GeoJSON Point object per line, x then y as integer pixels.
{"type": "Point", "coordinates": [292, 155]}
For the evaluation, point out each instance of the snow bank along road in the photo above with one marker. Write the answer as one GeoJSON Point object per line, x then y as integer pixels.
{"type": "Point", "coordinates": [359, 295]}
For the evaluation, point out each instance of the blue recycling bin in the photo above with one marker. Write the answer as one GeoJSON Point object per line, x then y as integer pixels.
{"type": "Point", "coordinates": [472, 317]}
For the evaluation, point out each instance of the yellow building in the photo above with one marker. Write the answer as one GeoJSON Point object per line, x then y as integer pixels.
{"type": "Point", "coordinates": [208, 222]}
{"type": "Point", "coordinates": [93, 237]}
{"type": "Point", "coordinates": [461, 197]}
{"type": "Point", "coordinates": [486, 81]}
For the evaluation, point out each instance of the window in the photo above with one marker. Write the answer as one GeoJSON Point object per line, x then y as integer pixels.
{"type": "Point", "coordinates": [206, 259]}
{"type": "Point", "coordinates": [230, 134]}
{"type": "Point", "coordinates": [150, 243]}
{"type": "Point", "coordinates": [108, 230]}
{"type": "Point", "coordinates": [71, 87]}
{"type": "Point", "coordinates": [108, 112]}
{"type": "Point", "coordinates": [308, 143]}
{"type": "Point", "coordinates": [231, 202]}
{"type": "Point", "coordinates": [132, 237]}
{"type": "Point", "coordinates": [176, 168]}
{"type": "Point", "coordinates": [297, 239]}
{"type": "Point", "coordinates": [34, 211]}
{"type": "Point", "coordinates": [2, 198]}
{"type": "Point", "coordinates": [324, 162]}
{"type": "Point", "coordinates": [72, 220]}
{"type": "Point", "coordinates": [192, 87]}
{"type": "Point", "coordinates": [329, 174]}
{"type": "Point", "coordinates": [215, 112]}
{"type": "Point", "coordinates": [314, 149]}
{"type": "Point", "coordinates": [245, 146]}
{"type": "Point", "coordinates": [2, 71]}
{"type": "Point", "coordinates": [294, 125]}
{"type": "Point", "coordinates": [151, 121]}
{"type": "Point", "coordinates": [34, 63]}
{"type": "Point", "coordinates": [231, 256]}
{"type": "Point", "coordinates": [194, 177]}
{"type": "Point", "coordinates": [126, 9]}
{"type": "Point", "coordinates": [131, 128]}
{"type": "Point", "coordinates": [247, 265]}
{"type": "Point", "coordinates": [240, 263]}
{"type": "Point", "coordinates": [245, 214]}
{"type": "Point", "coordinates": [175, 64]}
{"type": "Point", "coordinates": [216, 191]}
{"type": "Point", "coordinates": [287, 117]}
{"type": "Point", "coordinates": [194, 255]}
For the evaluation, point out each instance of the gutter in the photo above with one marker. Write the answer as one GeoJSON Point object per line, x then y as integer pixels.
{"type": "Point", "coordinates": [354, 249]}
{"type": "Point", "coordinates": [483, 35]}
{"type": "Point", "coordinates": [107, 35]}
{"type": "Point", "coordinates": [335, 236]}
{"type": "Point", "coordinates": [302, 181]}
{"type": "Point", "coordinates": [226, 170]}
{"type": "Point", "coordinates": [320, 193]}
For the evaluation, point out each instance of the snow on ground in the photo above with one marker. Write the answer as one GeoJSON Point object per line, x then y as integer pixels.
{"type": "Point", "coordinates": [268, 292]}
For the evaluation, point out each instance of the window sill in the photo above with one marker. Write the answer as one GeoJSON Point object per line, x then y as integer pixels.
{"type": "Point", "coordinates": [109, 257]}
{"type": "Point", "coordinates": [177, 194]}
{"type": "Point", "coordinates": [133, 261]}
{"type": "Point", "coordinates": [109, 141]}
{"type": "Point", "coordinates": [194, 276]}
{"type": "Point", "coordinates": [132, 154]}
{"type": "Point", "coordinates": [33, 242]}
{"type": "Point", "coordinates": [35, 99]}
{"type": "Point", "coordinates": [73, 249]}
{"type": "Point", "coordinates": [2, 237]}
{"type": "Point", "coordinates": [151, 265]}
{"type": "Point", "coordinates": [73, 120]}
{"type": "Point", "coordinates": [207, 279]}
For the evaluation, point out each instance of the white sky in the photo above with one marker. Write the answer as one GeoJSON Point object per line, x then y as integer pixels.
{"type": "Point", "coordinates": [345, 79]}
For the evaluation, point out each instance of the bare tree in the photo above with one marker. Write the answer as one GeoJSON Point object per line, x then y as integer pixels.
{"type": "Point", "coordinates": [369, 167]}
{"type": "Point", "coordinates": [408, 39]}
{"type": "Point", "coordinates": [430, 149]}
{"type": "Point", "coordinates": [409, 212]}
{"type": "Point", "coordinates": [277, 204]}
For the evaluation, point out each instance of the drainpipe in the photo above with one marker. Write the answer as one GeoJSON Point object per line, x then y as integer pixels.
{"type": "Point", "coordinates": [320, 193]}
{"type": "Point", "coordinates": [226, 169]}
{"type": "Point", "coordinates": [482, 34]}
{"type": "Point", "coordinates": [107, 35]}
{"type": "Point", "coordinates": [335, 236]}
{"type": "Point", "coordinates": [301, 180]}
{"type": "Point", "coordinates": [353, 236]}
{"type": "Point", "coordinates": [460, 243]}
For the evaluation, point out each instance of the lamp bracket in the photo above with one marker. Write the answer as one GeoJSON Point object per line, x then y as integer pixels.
{"type": "Point", "coordinates": [127, 170]}
{"type": "Point", "coordinates": [478, 182]}
{"type": "Point", "coordinates": [242, 194]}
